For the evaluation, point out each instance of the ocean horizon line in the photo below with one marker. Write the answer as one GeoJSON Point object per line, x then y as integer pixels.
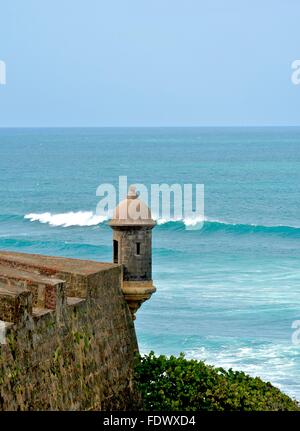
{"type": "Point", "coordinates": [292, 126]}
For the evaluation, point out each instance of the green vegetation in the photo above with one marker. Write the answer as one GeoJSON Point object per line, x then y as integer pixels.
{"type": "Point", "coordinates": [180, 384]}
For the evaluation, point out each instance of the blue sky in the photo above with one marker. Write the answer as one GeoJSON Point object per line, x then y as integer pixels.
{"type": "Point", "coordinates": [149, 63]}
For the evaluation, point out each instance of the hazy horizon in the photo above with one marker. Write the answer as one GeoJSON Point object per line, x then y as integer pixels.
{"type": "Point", "coordinates": [156, 127]}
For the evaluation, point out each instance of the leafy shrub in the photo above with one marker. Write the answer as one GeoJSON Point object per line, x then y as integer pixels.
{"type": "Point", "coordinates": [169, 384]}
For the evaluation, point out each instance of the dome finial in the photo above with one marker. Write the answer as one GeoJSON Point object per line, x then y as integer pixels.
{"type": "Point", "coordinates": [132, 193]}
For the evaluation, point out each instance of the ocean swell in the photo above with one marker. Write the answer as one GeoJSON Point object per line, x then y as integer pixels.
{"type": "Point", "coordinates": [212, 226]}
{"type": "Point", "coordinates": [89, 218]}
{"type": "Point", "coordinates": [69, 219]}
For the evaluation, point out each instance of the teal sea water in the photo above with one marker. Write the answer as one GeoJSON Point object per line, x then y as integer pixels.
{"type": "Point", "coordinates": [228, 293]}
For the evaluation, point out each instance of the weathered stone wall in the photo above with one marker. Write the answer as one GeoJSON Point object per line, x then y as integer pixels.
{"type": "Point", "coordinates": [136, 266]}
{"type": "Point", "coordinates": [70, 339]}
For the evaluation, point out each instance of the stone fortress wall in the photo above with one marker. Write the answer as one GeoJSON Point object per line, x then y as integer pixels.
{"type": "Point", "coordinates": [67, 337]}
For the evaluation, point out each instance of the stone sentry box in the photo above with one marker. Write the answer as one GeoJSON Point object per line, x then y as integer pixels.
{"type": "Point", "coordinates": [132, 248]}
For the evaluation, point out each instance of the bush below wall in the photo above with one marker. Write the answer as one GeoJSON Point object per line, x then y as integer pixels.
{"type": "Point", "coordinates": [170, 384]}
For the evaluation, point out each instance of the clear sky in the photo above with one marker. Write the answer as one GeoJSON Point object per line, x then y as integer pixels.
{"type": "Point", "coordinates": [149, 62]}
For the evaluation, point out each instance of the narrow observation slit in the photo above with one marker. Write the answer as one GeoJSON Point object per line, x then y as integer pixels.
{"type": "Point", "coordinates": [138, 248]}
{"type": "Point", "coordinates": [116, 251]}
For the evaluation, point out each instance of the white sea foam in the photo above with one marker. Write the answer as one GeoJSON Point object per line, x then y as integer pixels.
{"type": "Point", "coordinates": [189, 221]}
{"type": "Point", "coordinates": [89, 218]}
{"type": "Point", "coordinates": [270, 362]}
{"type": "Point", "coordinates": [192, 221]}
{"type": "Point", "coordinates": [80, 218]}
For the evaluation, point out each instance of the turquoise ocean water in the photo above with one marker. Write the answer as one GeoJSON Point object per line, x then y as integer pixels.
{"type": "Point", "coordinates": [227, 293]}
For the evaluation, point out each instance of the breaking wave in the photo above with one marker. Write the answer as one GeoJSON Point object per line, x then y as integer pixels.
{"type": "Point", "coordinates": [211, 226]}
{"type": "Point", "coordinates": [89, 218]}
{"type": "Point", "coordinates": [69, 219]}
